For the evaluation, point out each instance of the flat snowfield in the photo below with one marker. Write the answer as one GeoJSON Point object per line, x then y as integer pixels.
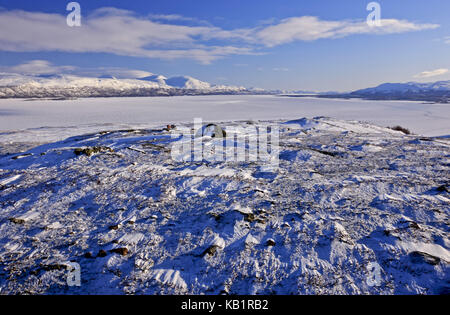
{"type": "Point", "coordinates": [47, 120]}
{"type": "Point", "coordinates": [352, 208]}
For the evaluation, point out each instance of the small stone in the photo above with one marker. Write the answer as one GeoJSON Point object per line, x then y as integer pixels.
{"type": "Point", "coordinates": [88, 255]}
{"type": "Point", "coordinates": [443, 188]}
{"type": "Point", "coordinates": [17, 221]}
{"type": "Point", "coordinates": [121, 251]}
{"type": "Point", "coordinates": [114, 227]}
{"type": "Point", "coordinates": [54, 267]}
{"type": "Point", "coordinates": [249, 217]}
{"type": "Point", "coordinates": [262, 220]}
{"type": "Point", "coordinates": [420, 257]}
{"type": "Point", "coordinates": [102, 253]}
{"type": "Point", "coordinates": [92, 150]}
{"type": "Point", "coordinates": [414, 225]}
{"type": "Point", "coordinates": [170, 127]}
{"type": "Point", "coordinates": [216, 216]}
{"type": "Point", "coordinates": [270, 242]}
{"type": "Point", "coordinates": [211, 250]}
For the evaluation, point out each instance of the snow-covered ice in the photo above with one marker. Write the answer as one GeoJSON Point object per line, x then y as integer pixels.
{"type": "Point", "coordinates": [45, 120]}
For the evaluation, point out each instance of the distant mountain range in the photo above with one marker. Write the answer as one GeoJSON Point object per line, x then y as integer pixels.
{"type": "Point", "coordinates": [438, 92]}
{"type": "Point", "coordinates": [71, 86]}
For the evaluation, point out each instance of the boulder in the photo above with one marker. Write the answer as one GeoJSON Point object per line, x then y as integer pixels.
{"type": "Point", "coordinates": [211, 130]}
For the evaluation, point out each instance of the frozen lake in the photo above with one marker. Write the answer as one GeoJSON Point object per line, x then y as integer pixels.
{"type": "Point", "coordinates": [53, 120]}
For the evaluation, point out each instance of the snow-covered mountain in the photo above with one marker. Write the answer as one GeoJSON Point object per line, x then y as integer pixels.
{"type": "Point", "coordinates": [27, 86]}
{"type": "Point", "coordinates": [410, 87]}
{"type": "Point", "coordinates": [184, 82]}
{"type": "Point", "coordinates": [436, 92]}
{"type": "Point", "coordinates": [160, 79]}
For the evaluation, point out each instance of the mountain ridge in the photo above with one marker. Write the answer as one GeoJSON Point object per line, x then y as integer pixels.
{"type": "Point", "coordinates": [436, 92]}
{"type": "Point", "coordinates": [13, 85]}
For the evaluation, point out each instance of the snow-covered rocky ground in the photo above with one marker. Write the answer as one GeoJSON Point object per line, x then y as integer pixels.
{"type": "Point", "coordinates": [353, 208]}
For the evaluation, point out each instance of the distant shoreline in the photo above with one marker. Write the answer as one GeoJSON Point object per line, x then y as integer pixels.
{"type": "Point", "coordinates": [414, 98]}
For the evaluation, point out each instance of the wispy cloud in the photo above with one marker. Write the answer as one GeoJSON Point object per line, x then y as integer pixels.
{"type": "Point", "coordinates": [122, 32]}
{"type": "Point", "coordinates": [432, 73]}
{"type": "Point", "coordinates": [177, 18]}
{"type": "Point", "coordinates": [119, 73]}
{"type": "Point", "coordinates": [112, 31]}
{"type": "Point", "coordinates": [310, 28]}
{"type": "Point", "coordinates": [171, 17]}
{"type": "Point", "coordinates": [37, 67]}
{"type": "Point", "coordinates": [281, 69]}
{"type": "Point", "coordinates": [44, 67]}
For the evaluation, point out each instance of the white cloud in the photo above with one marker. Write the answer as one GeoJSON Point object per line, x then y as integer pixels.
{"type": "Point", "coordinates": [112, 31]}
{"type": "Point", "coordinates": [310, 28]}
{"type": "Point", "coordinates": [121, 32]}
{"type": "Point", "coordinates": [177, 18]}
{"type": "Point", "coordinates": [433, 73]}
{"type": "Point", "coordinates": [38, 67]}
{"type": "Point", "coordinates": [44, 67]}
{"type": "Point", "coordinates": [170, 17]}
{"type": "Point", "coordinates": [281, 69]}
{"type": "Point", "coordinates": [119, 73]}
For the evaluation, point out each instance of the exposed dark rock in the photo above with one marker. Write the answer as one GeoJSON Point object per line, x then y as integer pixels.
{"type": "Point", "coordinates": [114, 227]}
{"type": "Point", "coordinates": [54, 267]}
{"type": "Point", "coordinates": [401, 129]}
{"type": "Point", "coordinates": [443, 188]}
{"type": "Point", "coordinates": [170, 127]}
{"type": "Point", "coordinates": [21, 156]}
{"type": "Point", "coordinates": [249, 217]}
{"type": "Point", "coordinates": [102, 253]}
{"type": "Point", "coordinates": [212, 130]}
{"type": "Point", "coordinates": [121, 251]}
{"type": "Point", "coordinates": [211, 250]}
{"type": "Point", "coordinates": [92, 150]}
{"type": "Point", "coordinates": [17, 221]}
{"type": "Point", "coordinates": [420, 257]}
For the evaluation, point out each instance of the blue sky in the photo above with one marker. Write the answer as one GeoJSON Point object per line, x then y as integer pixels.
{"type": "Point", "coordinates": [319, 45]}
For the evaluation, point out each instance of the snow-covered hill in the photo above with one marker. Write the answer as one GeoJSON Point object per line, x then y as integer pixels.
{"type": "Point", "coordinates": [410, 87]}
{"type": "Point", "coordinates": [352, 209]}
{"type": "Point", "coordinates": [436, 92]}
{"type": "Point", "coordinates": [160, 79]}
{"type": "Point", "coordinates": [430, 92]}
{"type": "Point", "coordinates": [54, 86]}
{"type": "Point", "coordinates": [184, 82]}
